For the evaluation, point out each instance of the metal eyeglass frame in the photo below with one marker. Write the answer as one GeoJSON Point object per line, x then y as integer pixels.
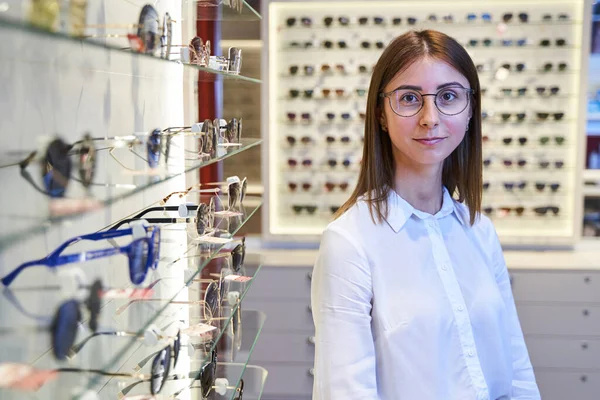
{"type": "Point", "coordinates": [467, 90]}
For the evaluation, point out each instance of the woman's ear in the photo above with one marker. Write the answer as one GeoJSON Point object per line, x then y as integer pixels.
{"type": "Point", "coordinates": [383, 121]}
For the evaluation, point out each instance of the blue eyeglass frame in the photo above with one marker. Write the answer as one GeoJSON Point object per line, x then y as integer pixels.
{"type": "Point", "coordinates": [132, 250]}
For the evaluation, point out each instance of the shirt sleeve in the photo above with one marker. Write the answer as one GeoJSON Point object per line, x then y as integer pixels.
{"type": "Point", "coordinates": [341, 294]}
{"type": "Point", "coordinates": [524, 386]}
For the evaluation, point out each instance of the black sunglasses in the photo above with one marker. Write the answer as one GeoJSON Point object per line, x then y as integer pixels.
{"type": "Point", "coordinates": [547, 67]}
{"type": "Point", "coordinates": [546, 210]}
{"type": "Point", "coordinates": [544, 140]}
{"type": "Point", "coordinates": [309, 209]}
{"type": "Point", "coordinates": [540, 186]}
{"type": "Point", "coordinates": [304, 140]}
{"type": "Point", "coordinates": [544, 116]}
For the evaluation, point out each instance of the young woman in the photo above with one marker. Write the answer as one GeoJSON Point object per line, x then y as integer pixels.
{"type": "Point", "coordinates": [411, 297]}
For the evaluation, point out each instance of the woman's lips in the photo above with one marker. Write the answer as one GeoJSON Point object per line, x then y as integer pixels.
{"type": "Point", "coordinates": [430, 141]}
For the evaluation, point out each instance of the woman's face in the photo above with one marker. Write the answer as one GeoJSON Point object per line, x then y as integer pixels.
{"type": "Point", "coordinates": [429, 136]}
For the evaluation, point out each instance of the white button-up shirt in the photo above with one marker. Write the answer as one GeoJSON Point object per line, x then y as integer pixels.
{"type": "Point", "coordinates": [418, 307]}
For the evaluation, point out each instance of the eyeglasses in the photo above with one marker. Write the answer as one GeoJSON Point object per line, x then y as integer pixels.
{"type": "Point", "coordinates": [292, 162]}
{"type": "Point", "coordinates": [344, 116]}
{"type": "Point", "coordinates": [486, 42]}
{"type": "Point", "coordinates": [363, 69]}
{"type": "Point", "coordinates": [308, 69]}
{"type": "Point", "coordinates": [519, 67]}
{"type": "Point", "coordinates": [517, 91]}
{"type": "Point", "coordinates": [306, 186]}
{"type": "Point", "coordinates": [547, 67]}
{"type": "Point", "coordinates": [508, 140]}
{"type": "Point", "coordinates": [545, 164]}
{"type": "Point", "coordinates": [411, 20]}
{"type": "Point", "coordinates": [376, 20]}
{"type": "Point", "coordinates": [199, 54]}
{"type": "Point", "coordinates": [546, 210]}
{"type": "Point", "coordinates": [519, 185]}
{"type": "Point", "coordinates": [523, 17]}
{"type": "Point", "coordinates": [304, 116]}
{"type": "Point", "coordinates": [57, 165]}
{"type": "Point", "coordinates": [305, 21]}
{"type": "Point", "coordinates": [332, 162]}
{"type": "Point", "coordinates": [236, 191]}
{"type": "Point", "coordinates": [338, 92]}
{"type": "Point", "coordinates": [304, 140]}
{"type": "Point", "coordinates": [307, 93]}
{"type": "Point", "coordinates": [308, 208]}
{"type": "Point", "coordinates": [540, 186]}
{"type": "Point", "coordinates": [328, 44]}
{"type": "Point", "coordinates": [330, 186]}
{"type": "Point", "coordinates": [544, 140]}
{"type": "Point", "coordinates": [485, 17]}
{"type": "Point", "coordinates": [327, 68]}
{"type": "Point", "coordinates": [520, 162]}
{"type": "Point", "coordinates": [343, 139]}
{"type": "Point", "coordinates": [548, 42]}
{"type": "Point", "coordinates": [544, 116]}
{"type": "Point", "coordinates": [360, 92]}
{"type": "Point", "coordinates": [518, 116]}
{"type": "Point", "coordinates": [367, 45]}
{"type": "Point", "coordinates": [143, 254]}
{"type": "Point", "coordinates": [560, 17]}
{"type": "Point", "coordinates": [449, 101]}
{"type": "Point", "coordinates": [553, 90]}
{"type": "Point", "coordinates": [306, 45]}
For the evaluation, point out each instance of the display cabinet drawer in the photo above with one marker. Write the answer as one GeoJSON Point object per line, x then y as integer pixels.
{"type": "Point", "coordinates": [284, 315]}
{"type": "Point", "coordinates": [563, 352]}
{"type": "Point", "coordinates": [559, 286]}
{"type": "Point", "coordinates": [559, 320]}
{"type": "Point", "coordinates": [568, 385]}
{"type": "Point", "coordinates": [284, 347]}
{"type": "Point", "coordinates": [282, 282]}
{"type": "Point", "coordinates": [287, 380]}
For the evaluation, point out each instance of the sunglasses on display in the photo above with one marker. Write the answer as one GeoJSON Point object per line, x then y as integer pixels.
{"type": "Point", "coordinates": [376, 21]}
{"type": "Point", "coordinates": [407, 102]}
{"type": "Point", "coordinates": [544, 140]}
{"type": "Point", "coordinates": [308, 208]}
{"type": "Point", "coordinates": [367, 45]}
{"type": "Point", "coordinates": [546, 210]}
{"type": "Point", "coordinates": [327, 68]}
{"type": "Point", "coordinates": [522, 140]}
{"type": "Point", "coordinates": [475, 42]}
{"type": "Point", "coordinates": [361, 92]}
{"type": "Point", "coordinates": [305, 45]}
{"type": "Point", "coordinates": [485, 17]}
{"type": "Point", "coordinates": [559, 17]}
{"type": "Point", "coordinates": [308, 69]}
{"type": "Point", "coordinates": [56, 166]}
{"type": "Point", "coordinates": [153, 148]}
{"type": "Point", "coordinates": [332, 162]}
{"type": "Point", "coordinates": [509, 186]}
{"type": "Point", "coordinates": [304, 21]}
{"type": "Point", "coordinates": [548, 42]}
{"type": "Point", "coordinates": [545, 164]}
{"type": "Point", "coordinates": [307, 93]}
{"type": "Point", "coordinates": [517, 91]}
{"type": "Point", "coordinates": [548, 67]}
{"type": "Point", "coordinates": [332, 139]}
{"type": "Point", "coordinates": [305, 117]}
{"type": "Point", "coordinates": [143, 253]}
{"type": "Point", "coordinates": [543, 116]}
{"type": "Point", "coordinates": [540, 186]}
{"type": "Point", "coordinates": [305, 140]}
{"type": "Point", "coordinates": [519, 67]}
{"type": "Point", "coordinates": [330, 186]}
{"type": "Point", "coordinates": [292, 162]}
{"type": "Point", "coordinates": [511, 42]}
{"type": "Point", "coordinates": [508, 17]}
{"type": "Point", "coordinates": [338, 92]}
{"type": "Point", "coordinates": [328, 44]}
{"type": "Point", "coordinates": [363, 69]}
{"type": "Point", "coordinates": [550, 91]}
{"type": "Point", "coordinates": [343, 116]}
{"type": "Point", "coordinates": [519, 162]}
{"type": "Point", "coordinates": [519, 117]}
{"type": "Point", "coordinates": [306, 186]}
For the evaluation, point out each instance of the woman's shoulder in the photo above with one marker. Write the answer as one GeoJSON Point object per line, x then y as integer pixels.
{"type": "Point", "coordinates": [483, 226]}
{"type": "Point", "coordinates": [355, 220]}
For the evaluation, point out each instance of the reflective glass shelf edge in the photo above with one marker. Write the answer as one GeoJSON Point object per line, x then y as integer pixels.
{"type": "Point", "coordinates": [17, 224]}
{"type": "Point", "coordinates": [216, 10]}
{"type": "Point", "coordinates": [8, 26]}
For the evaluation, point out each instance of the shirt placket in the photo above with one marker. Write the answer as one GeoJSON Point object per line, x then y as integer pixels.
{"type": "Point", "coordinates": [459, 308]}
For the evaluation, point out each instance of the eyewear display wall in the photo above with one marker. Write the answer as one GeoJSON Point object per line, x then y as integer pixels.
{"type": "Point", "coordinates": [531, 59]}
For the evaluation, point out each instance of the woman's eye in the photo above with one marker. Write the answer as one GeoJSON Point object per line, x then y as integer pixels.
{"type": "Point", "coordinates": [409, 98]}
{"type": "Point", "coordinates": [448, 96]}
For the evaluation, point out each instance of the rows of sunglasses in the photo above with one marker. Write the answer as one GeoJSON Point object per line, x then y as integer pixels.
{"type": "Point", "coordinates": [366, 44]}
{"type": "Point", "coordinates": [364, 69]}
{"type": "Point", "coordinates": [538, 116]}
{"type": "Point", "coordinates": [543, 140]}
{"type": "Point", "coordinates": [380, 20]}
{"type": "Point", "coordinates": [151, 37]}
{"type": "Point", "coordinates": [522, 186]}
{"type": "Point", "coordinates": [500, 211]}
{"type": "Point", "coordinates": [521, 163]}
{"type": "Point", "coordinates": [327, 93]}
{"type": "Point", "coordinates": [308, 162]}
{"type": "Point", "coordinates": [56, 160]}
{"type": "Point", "coordinates": [329, 139]}
{"type": "Point", "coordinates": [328, 116]}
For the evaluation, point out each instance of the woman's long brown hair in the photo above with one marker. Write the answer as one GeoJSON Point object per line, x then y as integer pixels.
{"type": "Point", "coordinates": [462, 170]}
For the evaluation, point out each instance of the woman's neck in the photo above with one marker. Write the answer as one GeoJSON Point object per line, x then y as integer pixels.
{"type": "Point", "coordinates": [421, 188]}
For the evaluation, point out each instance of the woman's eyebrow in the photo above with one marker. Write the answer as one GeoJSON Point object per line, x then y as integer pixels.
{"type": "Point", "coordinates": [419, 88]}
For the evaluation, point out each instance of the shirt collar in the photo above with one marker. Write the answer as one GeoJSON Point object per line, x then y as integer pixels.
{"type": "Point", "coordinates": [399, 210]}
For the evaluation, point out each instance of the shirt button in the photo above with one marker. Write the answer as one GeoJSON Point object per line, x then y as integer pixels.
{"type": "Point", "coordinates": [471, 353]}
{"type": "Point", "coordinates": [460, 308]}
{"type": "Point", "coordinates": [444, 267]}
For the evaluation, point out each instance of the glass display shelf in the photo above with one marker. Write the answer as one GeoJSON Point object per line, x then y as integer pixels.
{"type": "Point", "coordinates": [24, 33]}
{"type": "Point", "coordinates": [218, 10]}
{"type": "Point", "coordinates": [92, 351]}
{"type": "Point", "coordinates": [36, 211]}
{"type": "Point", "coordinates": [191, 361]}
